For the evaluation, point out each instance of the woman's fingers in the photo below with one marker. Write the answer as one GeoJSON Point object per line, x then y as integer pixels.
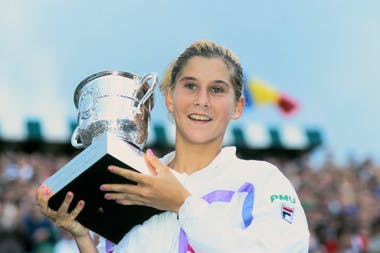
{"type": "Point", "coordinates": [78, 208]}
{"type": "Point", "coordinates": [128, 199]}
{"type": "Point", "coordinates": [154, 162]}
{"type": "Point", "coordinates": [43, 195]}
{"type": "Point", "coordinates": [121, 188]}
{"type": "Point", "coordinates": [122, 197]}
{"type": "Point", "coordinates": [149, 165]}
{"type": "Point", "coordinates": [128, 202]}
{"type": "Point", "coordinates": [66, 203]}
{"type": "Point", "coordinates": [129, 174]}
{"type": "Point", "coordinates": [61, 218]}
{"type": "Point", "coordinates": [127, 194]}
{"type": "Point", "coordinates": [161, 189]}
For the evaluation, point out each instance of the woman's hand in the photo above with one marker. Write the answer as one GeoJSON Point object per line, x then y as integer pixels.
{"type": "Point", "coordinates": [62, 218]}
{"type": "Point", "coordinates": [160, 190]}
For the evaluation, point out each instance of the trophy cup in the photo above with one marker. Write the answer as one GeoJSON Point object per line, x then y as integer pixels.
{"type": "Point", "coordinates": [113, 123]}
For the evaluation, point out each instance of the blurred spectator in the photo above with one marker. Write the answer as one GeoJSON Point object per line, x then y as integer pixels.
{"type": "Point", "coordinates": [25, 170]}
{"type": "Point", "coordinates": [374, 240]}
{"type": "Point", "coordinates": [40, 233]}
{"type": "Point", "coordinates": [10, 234]}
{"type": "Point", "coordinates": [10, 170]}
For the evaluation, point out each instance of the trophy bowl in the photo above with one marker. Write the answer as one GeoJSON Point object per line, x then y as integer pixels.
{"type": "Point", "coordinates": [115, 102]}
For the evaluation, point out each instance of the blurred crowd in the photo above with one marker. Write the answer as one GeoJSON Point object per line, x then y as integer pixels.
{"type": "Point", "coordinates": [342, 204]}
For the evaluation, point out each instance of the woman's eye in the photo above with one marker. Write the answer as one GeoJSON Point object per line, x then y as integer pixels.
{"type": "Point", "coordinates": [190, 86]}
{"type": "Point", "coordinates": [216, 90]}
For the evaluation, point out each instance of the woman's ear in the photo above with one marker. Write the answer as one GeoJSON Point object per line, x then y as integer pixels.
{"type": "Point", "coordinates": [239, 108]}
{"type": "Point", "coordinates": [169, 99]}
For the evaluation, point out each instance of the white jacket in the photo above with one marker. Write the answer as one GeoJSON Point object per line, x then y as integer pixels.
{"type": "Point", "coordinates": [272, 219]}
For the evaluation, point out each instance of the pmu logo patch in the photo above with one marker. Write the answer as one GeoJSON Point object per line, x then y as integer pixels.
{"type": "Point", "coordinates": [283, 198]}
{"type": "Point", "coordinates": [287, 213]}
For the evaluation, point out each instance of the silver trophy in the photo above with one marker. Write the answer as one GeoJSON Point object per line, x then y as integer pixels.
{"type": "Point", "coordinates": [114, 102]}
{"type": "Point", "coordinates": [113, 123]}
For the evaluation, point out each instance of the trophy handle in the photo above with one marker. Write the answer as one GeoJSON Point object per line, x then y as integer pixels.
{"type": "Point", "coordinates": [150, 91]}
{"type": "Point", "coordinates": [74, 139]}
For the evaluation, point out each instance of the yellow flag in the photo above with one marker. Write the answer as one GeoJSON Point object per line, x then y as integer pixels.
{"type": "Point", "coordinates": [262, 93]}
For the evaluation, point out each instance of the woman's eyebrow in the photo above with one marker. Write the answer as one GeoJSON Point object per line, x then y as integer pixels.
{"type": "Point", "coordinates": [221, 82]}
{"type": "Point", "coordinates": [187, 78]}
{"type": "Point", "coordinates": [190, 78]}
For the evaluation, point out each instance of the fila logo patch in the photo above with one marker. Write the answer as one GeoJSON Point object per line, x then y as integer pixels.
{"type": "Point", "coordinates": [287, 213]}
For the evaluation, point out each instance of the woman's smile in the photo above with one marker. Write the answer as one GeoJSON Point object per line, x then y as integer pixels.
{"type": "Point", "coordinates": [199, 117]}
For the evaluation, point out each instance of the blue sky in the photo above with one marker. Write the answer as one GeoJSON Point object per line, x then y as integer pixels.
{"type": "Point", "coordinates": [324, 53]}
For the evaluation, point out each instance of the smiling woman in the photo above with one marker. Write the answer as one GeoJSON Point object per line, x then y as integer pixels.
{"type": "Point", "coordinates": [202, 102]}
{"type": "Point", "coordinates": [212, 200]}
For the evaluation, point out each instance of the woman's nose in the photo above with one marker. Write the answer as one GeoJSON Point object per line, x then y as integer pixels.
{"type": "Point", "coordinates": [202, 98]}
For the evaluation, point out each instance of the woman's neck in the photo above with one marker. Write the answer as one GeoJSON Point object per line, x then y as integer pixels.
{"type": "Point", "coordinates": [193, 157]}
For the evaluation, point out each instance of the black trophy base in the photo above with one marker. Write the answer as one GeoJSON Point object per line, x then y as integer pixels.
{"type": "Point", "coordinates": [83, 176]}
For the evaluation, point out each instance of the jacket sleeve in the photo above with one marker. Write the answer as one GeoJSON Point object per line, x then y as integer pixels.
{"type": "Point", "coordinates": [278, 225]}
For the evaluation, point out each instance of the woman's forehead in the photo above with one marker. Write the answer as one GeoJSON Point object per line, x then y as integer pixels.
{"type": "Point", "coordinates": [211, 67]}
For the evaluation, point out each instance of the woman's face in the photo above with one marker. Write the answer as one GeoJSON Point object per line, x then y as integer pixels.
{"type": "Point", "coordinates": [203, 100]}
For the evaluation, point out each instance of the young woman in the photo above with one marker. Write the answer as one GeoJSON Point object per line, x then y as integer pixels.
{"type": "Point", "coordinates": [214, 201]}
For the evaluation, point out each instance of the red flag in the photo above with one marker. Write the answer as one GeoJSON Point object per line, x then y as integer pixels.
{"type": "Point", "coordinates": [287, 104]}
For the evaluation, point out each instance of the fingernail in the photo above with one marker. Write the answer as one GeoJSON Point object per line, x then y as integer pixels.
{"type": "Point", "coordinates": [103, 188]}
{"type": "Point", "coordinates": [47, 192]}
{"type": "Point", "coordinates": [150, 152]}
{"type": "Point", "coordinates": [111, 168]}
{"type": "Point", "coordinates": [81, 203]}
{"type": "Point", "coordinates": [107, 196]}
{"type": "Point", "coordinates": [69, 195]}
{"type": "Point", "coordinates": [42, 186]}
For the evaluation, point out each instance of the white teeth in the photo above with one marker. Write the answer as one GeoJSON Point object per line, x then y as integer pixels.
{"type": "Point", "coordinates": [199, 117]}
